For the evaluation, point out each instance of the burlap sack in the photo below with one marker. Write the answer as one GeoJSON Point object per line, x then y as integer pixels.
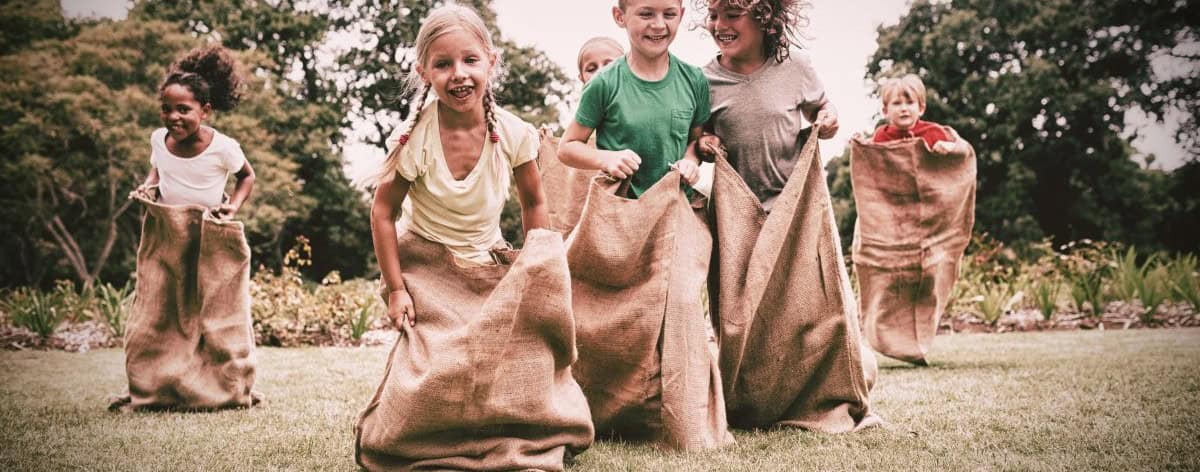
{"type": "Point", "coordinates": [189, 341]}
{"type": "Point", "coordinates": [915, 213]}
{"type": "Point", "coordinates": [483, 380]}
{"type": "Point", "coordinates": [566, 187]}
{"type": "Point", "coordinates": [638, 268]}
{"type": "Point", "coordinates": [791, 352]}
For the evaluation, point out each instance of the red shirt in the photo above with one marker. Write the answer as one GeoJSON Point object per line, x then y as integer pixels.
{"type": "Point", "coordinates": [929, 131]}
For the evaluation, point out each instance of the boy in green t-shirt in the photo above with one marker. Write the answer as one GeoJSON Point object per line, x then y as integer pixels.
{"type": "Point", "coordinates": [647, 108]}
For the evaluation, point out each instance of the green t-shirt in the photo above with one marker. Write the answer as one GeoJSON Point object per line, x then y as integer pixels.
{"type": "Point", "coordinates": [650, 118]}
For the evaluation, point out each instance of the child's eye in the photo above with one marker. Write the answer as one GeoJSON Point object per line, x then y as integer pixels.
{"type": "Point", "coordinates": [471, 60]}
{"type": "Point", "coordinates": [441, 64]}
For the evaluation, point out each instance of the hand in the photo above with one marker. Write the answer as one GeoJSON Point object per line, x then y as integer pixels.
{"type": "Point", "coordinates": [827, 119]}
{"type": "Point", "coordinates": [622, 164]}
{"type": "Point", "coordinates": [400, 308]}
{"type": "Point", "coordinates": [708, 146]}
{"type": "Point", "coordinates": [143, 189]}
{"type": "Point", "coordinates": [689, 170]}
{"type": "Point", "coordinates": [943, 148]}
{"type": "Point", "coordinates": [224, 211]}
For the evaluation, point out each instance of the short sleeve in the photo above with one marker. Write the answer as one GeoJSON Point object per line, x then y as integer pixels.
{"type": "Point", "coordinates": [812, 90]}
{"type": "Point", "coordinates": [527, 146]}
{"type": "Point", "coordinates": [409, 160]}
{"type": "Point", "coordinates": [592, 101]}
{"type": "Point", "coordinates": [233, 158]}
{"type": "Point", "coordinates": [156, 140]}
{"type": "Point", "coordinates": [703, 100]}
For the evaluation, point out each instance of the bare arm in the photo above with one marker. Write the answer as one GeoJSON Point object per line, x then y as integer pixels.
{"type": "Point", "coordinates": [826, 116]}
{"type": "Point", "coordinates": [574, 151]}
{"type": "Point", "coordinates": [385, 209]}
{"type": "Point", "coordinates": [534, 213]}
{"type": "Point", "coordinates": [689, 166]}
{"type": "Point", "coordinates": [151, 179]}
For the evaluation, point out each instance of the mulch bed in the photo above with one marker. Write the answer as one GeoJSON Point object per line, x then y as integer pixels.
{"type": "Point", "coordinates": [86, 335]}
{"type": "Point", "coordinates": [1117, 315]}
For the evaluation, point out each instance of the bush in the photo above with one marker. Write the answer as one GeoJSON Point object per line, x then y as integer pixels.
{"type": "Point", "coordinates": [289, 311]}
{"type": "Point", "coordinates": [995, 299]}
{"type": "Point", "coordinates": [1153, 289]}
{"type": "Point", "coordinates": [111, 306]}
{"type": "Point", "coordinates": [1185, 285]}
{"type": "Point", "coordinates": [36, 311]}
{"type": "Point", "coordinates": [1045, 295]}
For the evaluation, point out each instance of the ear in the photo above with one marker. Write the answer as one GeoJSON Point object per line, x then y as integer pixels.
{"type": "Point", "coordinates": [205, 111]}
{"type": "Point", "coordinates": [618, 16]}
{"type": "Point", "coordinates": [421, 73]}
{"type": "Point", "coordinates": [920, 109]}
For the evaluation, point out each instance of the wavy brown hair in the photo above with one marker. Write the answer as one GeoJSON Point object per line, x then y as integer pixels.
{"type": "Point", "coordinates": [782, 21]}
{"type": "Point", "coordinates": [211, 73]}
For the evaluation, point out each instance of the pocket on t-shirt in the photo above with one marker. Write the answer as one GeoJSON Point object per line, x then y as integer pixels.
{"type": "Point", "coordinates": [681, 123]}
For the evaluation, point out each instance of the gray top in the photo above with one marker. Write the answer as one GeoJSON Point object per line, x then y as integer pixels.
{"type": "Point", "coordinates": [758, 117]}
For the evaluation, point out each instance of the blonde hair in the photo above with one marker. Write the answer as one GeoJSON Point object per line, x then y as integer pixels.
{"type": "Point", "coordinates": [441, 21]}
{"type": "Point", "coordinates": [909, 85]}
{"type": "Point", "coordinates": [596, 41]}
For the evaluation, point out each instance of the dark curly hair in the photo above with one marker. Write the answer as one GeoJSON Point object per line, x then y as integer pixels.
{"type": "Point", "coordinates": [211, 74]}
{"type": "Point", "coordinates": [782, 21]}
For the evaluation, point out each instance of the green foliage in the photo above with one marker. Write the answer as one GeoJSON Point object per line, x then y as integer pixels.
{"type": "Point", "coordinates": [1127, 275]}
{"type": "Point", "coordinates": [1153, 289]}
{"type": "Point", "coordinates": [1045, 295]}
{"type": "Point", "coordinates": [1040, 89]}
{"type": "Point", "coordinates": [111, 305]}
{"type": "Point", "coordinates": [1185, 285]}
{"type": "Point", "coordinates": [289, 311]}
{"type": "Point", "coordinates": [34, 310]}
{"type": "Point", "coordinates": [994, 299]}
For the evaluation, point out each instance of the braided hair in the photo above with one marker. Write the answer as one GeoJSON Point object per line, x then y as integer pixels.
{"type": "Point", "coordinates": [781, 22]}
{"type": "Point", "coordinates": [211, 74]}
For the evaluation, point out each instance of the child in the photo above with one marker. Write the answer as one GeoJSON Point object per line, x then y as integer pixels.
{"type": "Point", "coordinates": [480, 377]}
{"type": "Point", "coordinates": [191, 162]}
{"type": "Point", "coordinates": [189, 343]}
{"type": "Point", "coordinates": [761, 92]}
{"type": "Point", "coordinates": [903, 105]}
{"type": "Point", "coordinates": [914, 193]}
{"type": "Point", "coordinates": [810, 352]}
{"type": "Point", "coordinates": [595, 54]}
{"type": "Point", "coordinates": [647, 108]}
{"type": "Point", "coordinates": [639, 265]}
{"type": "Point", "coordinates": [568, 185]}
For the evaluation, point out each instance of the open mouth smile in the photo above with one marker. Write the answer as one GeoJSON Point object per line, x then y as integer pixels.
{"type": "Point", "coordinates": [462, 91]}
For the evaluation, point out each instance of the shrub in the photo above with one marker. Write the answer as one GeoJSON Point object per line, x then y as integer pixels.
{"type": "Point", "coordinates": [995, 299]}
{"type": "Point", "coordinates": [1127, 275]}
{"type": "Point", "coordinates": [111, 305]}
{"type": "Point", "coordinates": [1045, 296]}
{"type": "Point", "coordinates": [36, 311]}
{"type": "Point", "coordinates": [1185, 285]}
{"type": "Point", "coordinates": [1153, 289]}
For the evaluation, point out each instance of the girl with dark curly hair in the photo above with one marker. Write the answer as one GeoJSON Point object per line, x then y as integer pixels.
{"type": "Point", "coordinates": [191, 161]}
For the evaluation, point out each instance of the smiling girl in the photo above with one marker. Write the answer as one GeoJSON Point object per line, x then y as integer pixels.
{"type": "Point", "coordinates": [761, 92]}
{"type": "Point", "coordinates": [191, 161]}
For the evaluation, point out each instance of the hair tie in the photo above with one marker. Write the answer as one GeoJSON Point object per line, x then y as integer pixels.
{"type": "Point", "coordinates": [495, 137]}
{"type": "Point", "coordinates": [403, 139]}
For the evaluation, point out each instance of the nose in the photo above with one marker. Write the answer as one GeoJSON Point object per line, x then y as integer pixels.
{"type": "Point", "coordinates": [460, 72]}
{"type": "Point", "coordinates": [658, 22]}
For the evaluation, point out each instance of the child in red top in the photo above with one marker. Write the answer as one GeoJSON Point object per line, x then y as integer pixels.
{"type": "Point", "coordinates": [903, 105]}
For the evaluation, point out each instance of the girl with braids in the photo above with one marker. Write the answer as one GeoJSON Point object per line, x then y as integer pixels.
{"type": "Point", "coordinates": [191, 161]}
{"type": "Point", "coordinates": [454, 158]}
{"type": "Point", "coordinates": [483, 381]}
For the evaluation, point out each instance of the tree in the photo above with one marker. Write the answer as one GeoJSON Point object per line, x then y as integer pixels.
{"type": "Point", "coordinates": [1041, 88]}
{"type": "Point", "coordinates": [76, 117]}
{"type": "Point", "coordinates": [305, 128]}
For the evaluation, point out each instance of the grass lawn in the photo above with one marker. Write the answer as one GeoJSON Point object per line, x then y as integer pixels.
{"type": "Point", "coordinates": [1086, 400]}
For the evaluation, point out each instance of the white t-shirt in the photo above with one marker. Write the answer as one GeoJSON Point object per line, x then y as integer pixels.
{"type": "Point", "coordinates": [462, 214]}
{"type": "Point", "coordinates": [196, 180]}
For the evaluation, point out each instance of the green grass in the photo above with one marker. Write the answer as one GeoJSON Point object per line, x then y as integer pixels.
{"type": "Point", "coordinates": [1085, 400]}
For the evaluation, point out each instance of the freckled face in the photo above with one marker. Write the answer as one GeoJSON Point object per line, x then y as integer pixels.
{"type": "Point", "coordinates": [736, 32]}
{"type": "Point", "coordinates": [458, 68]}
{"type": "Point", "coordinates": [181, 113]}
{"type": "Point", "coordinates": [594, 58]}
{"type": "Point", "coordinates": [902, 111]}
{"type": "Point", "coordinates": [651, 24]}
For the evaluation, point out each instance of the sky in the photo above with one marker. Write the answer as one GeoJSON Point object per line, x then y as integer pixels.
{"type": "Point", "coordinates": [841, 38]}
